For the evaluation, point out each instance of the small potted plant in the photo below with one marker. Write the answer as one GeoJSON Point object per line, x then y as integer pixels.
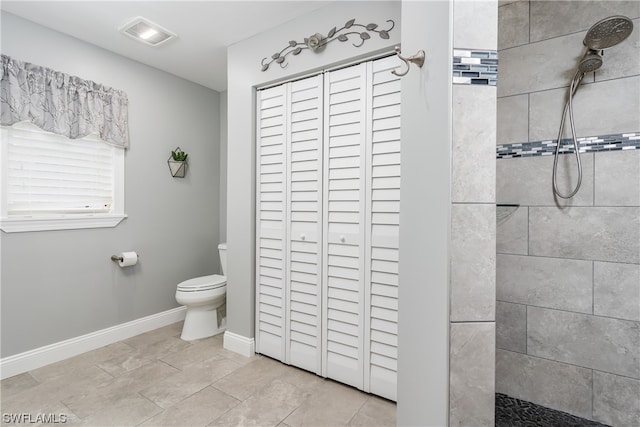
{"type": "Point", "coordinates": [178, 163]}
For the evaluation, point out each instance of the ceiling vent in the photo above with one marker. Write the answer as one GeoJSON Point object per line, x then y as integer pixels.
{"type": "Point", "coordinates": [146, 31]}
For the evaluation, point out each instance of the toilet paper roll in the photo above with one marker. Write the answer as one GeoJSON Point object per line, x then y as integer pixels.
{"type": "Point", "coordinates": [128, 259]}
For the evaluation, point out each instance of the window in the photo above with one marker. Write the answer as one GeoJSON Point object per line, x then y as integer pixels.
{"type": "Point", "coordinates": [51, 182]}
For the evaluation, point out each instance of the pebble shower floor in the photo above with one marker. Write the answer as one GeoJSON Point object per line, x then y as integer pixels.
{"type": "Point", "coordinates": [511, 412]}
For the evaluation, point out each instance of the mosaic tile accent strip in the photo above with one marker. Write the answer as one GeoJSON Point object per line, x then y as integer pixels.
{"type": "Point", "coordinates": [623, 141]}
{"type": "Point", "coordinates": [512, 412]}
{"type": "Point", "coordinates": [475, 67]}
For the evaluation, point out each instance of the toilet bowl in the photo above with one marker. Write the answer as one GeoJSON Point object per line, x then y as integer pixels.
{"type": "Point", "coordinates": [205, 299]}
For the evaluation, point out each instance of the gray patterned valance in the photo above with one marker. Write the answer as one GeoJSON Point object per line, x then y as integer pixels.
{"type": "Point", "coordinates": [62, 104]}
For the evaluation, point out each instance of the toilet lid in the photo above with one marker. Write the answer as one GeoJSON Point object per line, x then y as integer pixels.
{"type": "Point", "coordinates": [203, 283]}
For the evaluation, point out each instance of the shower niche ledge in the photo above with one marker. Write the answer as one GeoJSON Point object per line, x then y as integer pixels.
{"type": "Point", "coordinates": [504, 211]}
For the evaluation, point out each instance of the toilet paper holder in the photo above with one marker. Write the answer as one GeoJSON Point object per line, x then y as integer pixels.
{"type": "Point", "coordinates": [118, 258]}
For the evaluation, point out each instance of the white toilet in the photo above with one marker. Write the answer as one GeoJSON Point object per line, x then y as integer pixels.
{"type": "Point", "coordinates": [205, 299]}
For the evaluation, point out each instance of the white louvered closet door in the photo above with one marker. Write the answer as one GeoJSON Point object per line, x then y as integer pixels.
{"type": "Point", "coordinates": [383, 212]}
{"type": "Point", "coordinates": [271, 222]}
{"type": "Point", "coordinates": [328, 195]}
{"type": "Point", "coordinates": [344, 232]}
{"type": "Point", "coordinates": [305, 223]}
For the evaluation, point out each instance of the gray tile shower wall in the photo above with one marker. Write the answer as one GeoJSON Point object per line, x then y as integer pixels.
{"type": "Point", "coordinates": [563, 284]}
{"type": "Point", "coordinates": [555, 385]}
{"type": "Point", "coordinates": [600, 108]}
{"type": "Point", "coordinates": [474, 166]}
{"type": "Point", "coordinates": [616, 292]}
{"type": "Point", "coordinates": [472, 374]}
{"type": "Point", "coordinates": [616, 179]}
{"type": "Point", "coordinates": [586, 233]}
{"type": "Point", "coordinates": [580, 340]}
{"type": "Point", "coordinates": [615, 399]}
{"type": "Point", "coordinates": [511, 326]}
{"type": "Point", "coordinates": [473, 227]}
{"type": "Point", "coordinates": [527, 181]}
{"type": "Point", "coordinates": [512, 233]}
{"type": "Point", "coordinates": [473, 257]}
{"type": "Point", "coordinates": [568, 271]}
{"type": "Point", "coordinates": [556, 18]}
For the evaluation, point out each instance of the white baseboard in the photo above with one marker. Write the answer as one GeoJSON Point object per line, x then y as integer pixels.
{"type": "Point", "coordinates": [36, 358]}
{"type": "Point", "coordinates": [239, 344]}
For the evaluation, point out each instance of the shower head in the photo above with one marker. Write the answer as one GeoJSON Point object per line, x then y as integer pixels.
{"type": "Point", "coordinates": [591, 61]}
{"type": "Point", "coordinates": [608, 32]}
{"type": "Point", "coordinates": [603, 34]}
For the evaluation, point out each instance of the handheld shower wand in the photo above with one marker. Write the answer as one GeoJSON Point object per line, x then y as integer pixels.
{"type": "Point", "coordinates": [603, 34]}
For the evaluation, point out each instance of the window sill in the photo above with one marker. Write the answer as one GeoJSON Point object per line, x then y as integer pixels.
{"type": "Point", "coordinates": [17, 225]}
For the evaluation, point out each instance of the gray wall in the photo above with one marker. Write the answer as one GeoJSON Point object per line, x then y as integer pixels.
{"type": "Point", "coordinates": [568, 276]}
{"type": "Point", "coordinates": [223, 167]}
{"type": "Point", "coordinates": [61, 284]}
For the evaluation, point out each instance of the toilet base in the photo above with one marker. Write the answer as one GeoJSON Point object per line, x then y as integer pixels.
{"type": "Point", "coordinates": [203, 322]}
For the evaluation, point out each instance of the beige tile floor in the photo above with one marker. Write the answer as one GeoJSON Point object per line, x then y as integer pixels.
{"type": "Point", "coordinates": [156, 379]}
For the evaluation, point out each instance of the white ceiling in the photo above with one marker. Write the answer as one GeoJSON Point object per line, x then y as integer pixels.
{"type": "Point", "coordinates": [204, 29]}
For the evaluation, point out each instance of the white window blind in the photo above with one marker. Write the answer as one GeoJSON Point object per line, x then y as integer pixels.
{"type": "Point", "coordinates": [51, 176]}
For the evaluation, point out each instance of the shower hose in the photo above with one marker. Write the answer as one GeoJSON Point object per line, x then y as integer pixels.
{"type": "Point", "coordinates": [568, 105]}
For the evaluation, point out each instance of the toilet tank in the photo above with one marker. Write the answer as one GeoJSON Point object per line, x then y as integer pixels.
{"type": "Point", "coordinates": [222, 250]}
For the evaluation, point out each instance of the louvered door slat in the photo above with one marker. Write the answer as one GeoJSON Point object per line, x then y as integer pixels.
{"type": "Point", "coordinates": [271, 222]}
{"type": "Point", "coordinates": [305, 223]}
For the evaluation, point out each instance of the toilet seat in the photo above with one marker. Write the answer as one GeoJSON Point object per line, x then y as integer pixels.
{"type": "Point", "coordinates": [203, 283]}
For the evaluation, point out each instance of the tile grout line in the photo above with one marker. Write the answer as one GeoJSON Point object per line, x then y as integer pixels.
{"type": "Point", "coordinates": [571, 364]}
{"type": "Point", "coordinates": [556, 309]}
{"type": "Point", "coordinates": [289, 414]}
{"type": "Point", "coordinates": [529, 18]}
{"type": "Point", "coordinates": [526, 329]}
{"type": "Point", "coordinates": [528, 230]}
{"type": "Point", "coordinates": [113, 377]}
{"type": "Point", "coordinates": [593, 188]}
{"type": "Point", "coordinates": [593, 392]}
{"type": "Point", "coordinates": [574, 207]}
{"type": "Point", "coordinates": [153, 403]}
{"type": "Point", "coordinates": [528, 119]}
{"type": "Point", "coordinates": [593, 288]}
{"type": "Point", "coordinates": [548, 38]}
{"type": "Point", "coordinates": [228, 409]}
{"type": "Point", "coordinates": [631, 76]}
{"type": "Point", "coordinates": [358, 411]}
{"type": "Point", "coordinates": [572, 259]}
{"type": "Point", "coordinates": [564, 87]}
{"type": "Point", "coordinates": [69, 409]}
{"type": "Point", "coordinates": [472, 321]}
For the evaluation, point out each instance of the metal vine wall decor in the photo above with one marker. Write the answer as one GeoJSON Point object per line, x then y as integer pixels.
{"type": "Point", "coordinates": [317, 42]}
